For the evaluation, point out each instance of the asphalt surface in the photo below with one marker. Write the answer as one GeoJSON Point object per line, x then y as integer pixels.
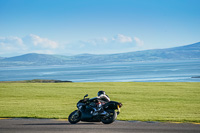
{"type": "Point", "coordinates": [60, 126]}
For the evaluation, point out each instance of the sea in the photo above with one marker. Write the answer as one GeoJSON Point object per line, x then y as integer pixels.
{"type": "Point", "coordinates": [163, 71]}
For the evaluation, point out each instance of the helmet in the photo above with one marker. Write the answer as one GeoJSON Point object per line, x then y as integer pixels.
{"type": "Point", "coordinates": [101, 92]}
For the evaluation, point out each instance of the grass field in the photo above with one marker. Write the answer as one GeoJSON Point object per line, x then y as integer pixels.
{"type": "Point", "coordinates": [178, 102]}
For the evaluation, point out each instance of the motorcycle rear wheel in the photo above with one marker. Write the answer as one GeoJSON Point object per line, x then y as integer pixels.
{"type": "Point", "coordinates": [110, 118]}
{"type": "Point", "coordinates": [74, 117]}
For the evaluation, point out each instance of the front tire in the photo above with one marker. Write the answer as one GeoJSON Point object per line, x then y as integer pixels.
{"type": "Point", "coordinates": [74, 117]}
{"type": "Point", "coordinates": [110, 118]}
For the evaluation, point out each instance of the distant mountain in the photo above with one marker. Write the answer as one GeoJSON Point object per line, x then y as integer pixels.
{"type": "Point", "coordinates": [188, 52]}
{"type": "Point", "coordinates": [35, 59]}
{"type": "Point", "coordinates": [1, 58]}
{"type": "Point", "coordinates": [177, 53]}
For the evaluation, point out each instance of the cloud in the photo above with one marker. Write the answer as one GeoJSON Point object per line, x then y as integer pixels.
{"type": "Point", "coordinates": [96, 41]}
{"type": "Point", "coordinates": [10, 40]}
{"type": "Point", "coordinates": [122, 39]}
{"type": "Point", "coordinates": [118, 39]}
{"type": "Point", "coordinates": [13, 45]}
{"type": "Point", "coordinates": [104, 45]}
{"type": "Point", "coordinates": [138, 41]}
{"type": "Point", "coordinates": [43, 42]}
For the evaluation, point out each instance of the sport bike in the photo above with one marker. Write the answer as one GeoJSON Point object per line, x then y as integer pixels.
{"type": "Point", "coordinates": [86, 111]}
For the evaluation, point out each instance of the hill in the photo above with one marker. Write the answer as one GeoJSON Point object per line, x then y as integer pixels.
{"type": "Point", "coordinates": [33, 58]}
{"type": "Point", "coordinates": [188, 52]}
{"type": "Point", "coordinates": [178, 53]}
{"type": "Point", "coordinates": [1, 58]}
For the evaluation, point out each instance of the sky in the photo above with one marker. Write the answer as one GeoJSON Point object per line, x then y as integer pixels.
{"type": "Point", "coordinates": [69, 27]}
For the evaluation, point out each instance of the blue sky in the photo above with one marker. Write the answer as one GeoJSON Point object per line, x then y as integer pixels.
{"type": "Point", "coordinates": [96, 26]}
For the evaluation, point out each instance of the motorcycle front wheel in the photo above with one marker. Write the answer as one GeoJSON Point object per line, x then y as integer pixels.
{"type": "Point", "coordinates": [111, 117]}
{"type": "Point", "coordinates": [74, 117]}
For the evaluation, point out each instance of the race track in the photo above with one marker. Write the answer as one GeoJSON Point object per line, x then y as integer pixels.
{"type": "Point", "coordinates": [61, 126]}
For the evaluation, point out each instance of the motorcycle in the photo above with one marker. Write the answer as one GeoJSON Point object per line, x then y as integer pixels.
{"type": "Point", "coordinates": [86, 111]}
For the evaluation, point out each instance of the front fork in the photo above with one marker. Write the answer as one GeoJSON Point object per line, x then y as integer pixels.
{"type": "Point", "coordinates": [77, 113]}
{"type": "Point", "coordinates": [118, 108]}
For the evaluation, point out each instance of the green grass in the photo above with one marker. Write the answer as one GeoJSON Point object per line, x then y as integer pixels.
{"type": "Point", "coordinates": [178, 102]}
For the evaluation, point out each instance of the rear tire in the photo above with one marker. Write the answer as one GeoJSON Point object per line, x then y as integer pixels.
{"type": "Point", "coordinates": [110, 118]}
{"type": "Point", "coordinates": [74, 117]}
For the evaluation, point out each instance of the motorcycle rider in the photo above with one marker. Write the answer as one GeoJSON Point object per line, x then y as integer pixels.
{"type": "Point", "coordinates": [102, 99]}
